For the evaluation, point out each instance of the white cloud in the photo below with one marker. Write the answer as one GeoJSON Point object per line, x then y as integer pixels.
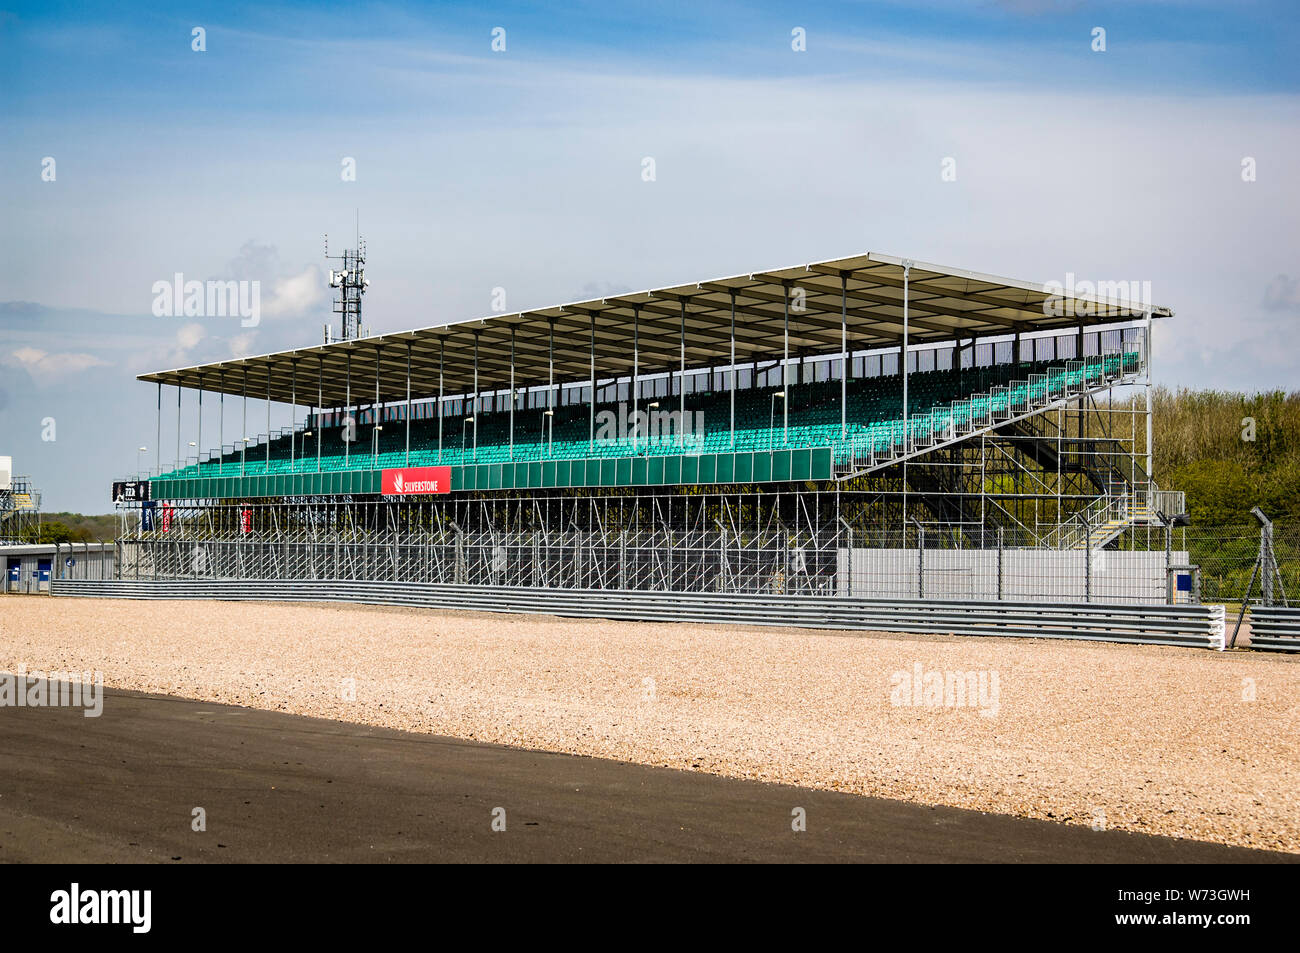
{"type": "Point", "coordinates": [753, 173]}
{"type": "Point", "coordinates": [1282, 294]}
{"type": "Point", "coordinates": [189, 336]}
{"type": "Point", "coordinates": [296, 295]}
{"type": "Point", "coordinates": [45, 367]}
{"type": "Point", "coordinates": [241, 345]}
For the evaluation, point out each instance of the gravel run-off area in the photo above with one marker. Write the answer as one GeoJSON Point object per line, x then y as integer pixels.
{"type": "Point", "coordinates": [1183, 742]}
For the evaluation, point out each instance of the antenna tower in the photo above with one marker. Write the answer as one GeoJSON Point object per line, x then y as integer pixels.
{"type": "Point", "coordinates": [351, 281]}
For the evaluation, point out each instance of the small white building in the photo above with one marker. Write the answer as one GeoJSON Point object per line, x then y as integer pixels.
{"type": "Point", "coordinates": [28, 567]}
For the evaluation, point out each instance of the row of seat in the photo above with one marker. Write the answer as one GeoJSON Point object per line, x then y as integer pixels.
{"type": "Point", "coordinates": [938, 402]}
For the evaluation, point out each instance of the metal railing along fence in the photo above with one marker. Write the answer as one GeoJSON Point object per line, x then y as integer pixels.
{"type": "Point", "coordinates": [706, 544]}
{"type": "Point", "coordinates": [918, 565]}
{"type": "Point", "coordinates": [1188, 626]}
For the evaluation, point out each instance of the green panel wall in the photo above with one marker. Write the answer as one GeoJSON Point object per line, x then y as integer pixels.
{"type": "Point", "coordinates": [697, 469]}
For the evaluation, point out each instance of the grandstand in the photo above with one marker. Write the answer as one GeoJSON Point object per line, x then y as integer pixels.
{"type": "Point", "coordinates": [20, 504]}
{"type": "Point", "coordinates": [734, 434]}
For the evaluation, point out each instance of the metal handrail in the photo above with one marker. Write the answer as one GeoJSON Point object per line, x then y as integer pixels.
{"type": "Point", "coordinates": [1182, 625]}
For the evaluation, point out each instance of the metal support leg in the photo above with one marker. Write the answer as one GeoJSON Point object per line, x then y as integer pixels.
{"type": "Point", "coordinates": [732, 372]}
{"type": "Point", "coordinates": [407, 462]}
{"type": "Point", "coordinates": [785, 366]}
{"type": "Point", "coordinates": [636, 368]}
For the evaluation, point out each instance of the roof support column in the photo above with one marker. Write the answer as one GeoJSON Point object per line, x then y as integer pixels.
{"type": "Point", "coordinates": [442, 361]}
{"type": "Point", "coordinates": [512, 391]}
{"type": "Point", "coordinates": [681, 381]}
{"type": "Point", "coordinates": [179, 461]}
{"type": "Point", "coordinates": [376, 423]}
{"type": "Point", "coordinates": [549, 436]}
{"type": "Point", "coordinates": [243, 410]}
{"type": "Point", "coordinates": [198, 443]}
{"type": "Point", "coordinates": [347, 412]}
{"type": "Point", "coordinates": [221, 422]}
{"type": "Point", "coordinates": [636, 369]}
{"type": "Point", "coordinates": [293, 413]}
{"type": "Point", "coordinates": [157, 444]}
{"type": "Point", "coordinates": [1079, 356]}
{"type": "Point", "coordinates": [785, 366]}
{"type": "Point", "coordinates": [473, 418]}
{"type": "Point", "coordinates": [1147, 343]}
{"type": "Point", "coordinates": [268, 418]}
{"type": "Point", "coordinates": [844, 355]}
{"type": "Point", "coordinates": [407, 463]}
{"type": "Point", "coordinates": [320, 402]}
{"type": "Point", "coordinates": [907, 269]}
{"type": "Point", "coordinates": [591, 445]}
{"type": "Point", "coordinates": [733, 369]}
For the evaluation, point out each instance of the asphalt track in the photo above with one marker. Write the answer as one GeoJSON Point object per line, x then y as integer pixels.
{"type": "Point", "coordinates": [121, 788]}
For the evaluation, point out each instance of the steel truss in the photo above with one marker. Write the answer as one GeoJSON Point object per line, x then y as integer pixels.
{"type": "Point", "coordinates": [1028, 477]}
{"type": "Point", "coordinates": [811, 540]}
{"type": "Point", "coordinates": [690, 542]}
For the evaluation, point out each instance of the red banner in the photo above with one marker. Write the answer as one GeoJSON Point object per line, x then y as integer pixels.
{"type": "Point", "coordinates": [408, 480]}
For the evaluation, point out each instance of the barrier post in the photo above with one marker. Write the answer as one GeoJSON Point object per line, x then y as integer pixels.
{"type": "Point", "coordinates": [1001, 530]}
{"type": "Point", "coordinates": [1266, 563]}
{"type": "Point", "coordinates": [1087, 559]}
{"type": "Point", "coordinates": [920, 561]}
{"type": "Point", "coordinates": [848, 535]}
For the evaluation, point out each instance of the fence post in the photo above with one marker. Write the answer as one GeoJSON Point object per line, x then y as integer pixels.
{"type": "Point", "coordinates": [1087, 560]}
{"type": "Point", "coordinates": [1170, 590]}
{"type": "Point", "coordinates": [920, 561]}
{"type": "Point", "coordinates": [1001, 530]}
{"type": "Point", "coordinates": [848, 533]}
{"type": "Point", "coordinates": [1266, 565]}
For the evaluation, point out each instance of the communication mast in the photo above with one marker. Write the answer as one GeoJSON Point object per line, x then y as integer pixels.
{"type": "Point", "coordinates": [351, 281]}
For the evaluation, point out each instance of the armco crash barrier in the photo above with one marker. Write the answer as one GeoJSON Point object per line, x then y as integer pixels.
{"type": "Point", "coordinates": [1192, 626]}
{"type": "Point", "coordinates": [1276, 628]}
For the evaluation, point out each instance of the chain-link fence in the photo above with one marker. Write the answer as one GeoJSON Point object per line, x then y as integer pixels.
{"type": "Point", "coordinates": [1228, 556]}
{"type": "Point", "coordinates": [693, 549]}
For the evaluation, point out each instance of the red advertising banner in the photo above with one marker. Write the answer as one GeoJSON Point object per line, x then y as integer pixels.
{"type": "Point", "coordinates": [408, 480]}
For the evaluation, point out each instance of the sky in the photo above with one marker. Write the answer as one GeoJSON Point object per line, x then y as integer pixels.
{"type": "Point", "coordinates": [1169, 156]}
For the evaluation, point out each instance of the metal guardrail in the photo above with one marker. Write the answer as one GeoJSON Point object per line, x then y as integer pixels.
{"type": "Point", "coordinates": [978, 412]}
{"type": "Point", "coordinates": [1190, 626]}
{"type": "Point", "coordinates": [1275, 628]}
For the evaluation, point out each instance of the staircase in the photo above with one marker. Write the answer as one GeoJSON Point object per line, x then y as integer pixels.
{"type": "Point", "coordinates": [1106, 517]}
{"type": "Point", "coordinates": [19, 506]}
{"type": "Point", "coordinates": [891, 442]}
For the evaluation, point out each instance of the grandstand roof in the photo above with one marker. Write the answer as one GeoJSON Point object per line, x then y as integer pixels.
{"type": "Point", "coordinates": [944, 304]}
